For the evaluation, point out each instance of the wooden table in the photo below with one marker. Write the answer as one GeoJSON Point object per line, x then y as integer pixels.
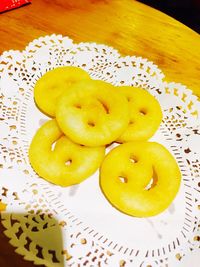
{"type": "Point", "coordinates": [129, 26]}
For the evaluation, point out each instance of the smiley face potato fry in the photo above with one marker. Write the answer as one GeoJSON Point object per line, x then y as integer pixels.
{"type": "Point", "coordinates": [53, 83]}
{"type": "Point", "coordinates": [140, 178]}
{"type": "Point", "coordinates": [145, 114]}
{"type": "Point", "coordinates": [60, 161]}
{"type": "Point", "coordinates": [92, 113]}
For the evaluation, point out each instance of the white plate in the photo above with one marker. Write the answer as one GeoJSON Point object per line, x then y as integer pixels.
{"type": "Point", "coordinates": [79, 227]}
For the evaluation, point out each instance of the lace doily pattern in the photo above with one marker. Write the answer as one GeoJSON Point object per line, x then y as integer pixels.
{"type": "Point", "coordinates": [46, 223]}
{"type": "Point", "coordinates": [30, 222]}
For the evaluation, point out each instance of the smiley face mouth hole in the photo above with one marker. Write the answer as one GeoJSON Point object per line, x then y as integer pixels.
{"type": "Point", "coordinates": [152, 183]}
{"type": "Point", "coordinates": [53, 145]}
{"type": "Point", "coordinates": [105, 106]}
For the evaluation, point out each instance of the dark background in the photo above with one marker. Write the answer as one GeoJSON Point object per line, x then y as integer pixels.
{"type": "Point", "coordinates": [186, 11]}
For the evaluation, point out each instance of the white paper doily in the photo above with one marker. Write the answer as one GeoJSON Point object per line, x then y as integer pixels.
{"type": "Point", "coordinates": [76, 226]}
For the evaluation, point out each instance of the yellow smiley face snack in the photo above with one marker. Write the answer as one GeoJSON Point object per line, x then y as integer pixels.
{"type": "Point", "coordinates": [140, 178]}
{"type": "Point", "coordinates": [145, 114]}
{"type": "Point", "coordinates": [52, 84]}
{"type": "Point", "coordinates": [58, 160]}
{"type": "Point", "coordinates": [92, 113]}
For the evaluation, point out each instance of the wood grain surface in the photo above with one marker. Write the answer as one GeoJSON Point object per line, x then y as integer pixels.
{"type": "Point", "coordinates": [129, 26]}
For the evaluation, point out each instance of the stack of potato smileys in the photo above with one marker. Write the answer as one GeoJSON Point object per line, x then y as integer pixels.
{"type": "Point", "coordinates": [138, 177]}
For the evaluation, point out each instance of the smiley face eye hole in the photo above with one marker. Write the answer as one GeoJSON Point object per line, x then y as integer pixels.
{"type": "Point", "coordinates": [133, 159]}
{"type": "Point", "coordinates": [91, 123]}
{"type": "Point", "coordinates": [143, 112]}
{"type": "Point", "coordinates": [78, 105]}
{"type": "Point", "coordinates": [53, 87]}
{"type": "Point", "coordinates": [123, 179]}
{"type": "Point", "coordinates": [68, 162]}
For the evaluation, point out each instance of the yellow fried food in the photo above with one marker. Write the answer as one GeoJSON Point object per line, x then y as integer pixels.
{"type": "Point", "coordinates": [2, 206]}
{"type": "Point", "coordinates": [52, 84]}
{"type": "Point", "coordinates": [58, 160]}
{"type": "Point", "coordinates": [92, 113]}
{"type": "Point", "coordinates": [140, 178]}
{"type": "Point", "coordinates": [145, 114]}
